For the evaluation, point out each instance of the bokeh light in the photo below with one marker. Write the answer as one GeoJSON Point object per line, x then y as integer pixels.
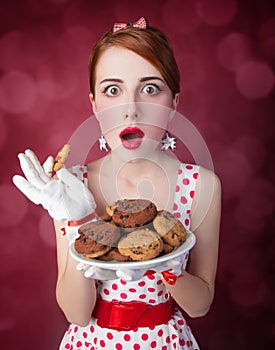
{"type": "Point", "coordinates": [233, 50]}
{"type": "Point", "coordinates": [267, 37]}
{"type": "Point", "coordinates": [17, 92]}
{"type": "Point", "coordinates": [255, 79]}
{"type": "Point", "coordinates": [216, 12]}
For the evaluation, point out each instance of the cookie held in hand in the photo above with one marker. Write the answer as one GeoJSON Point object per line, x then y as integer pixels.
{"type": "Point", "coordinates": [61, 157]}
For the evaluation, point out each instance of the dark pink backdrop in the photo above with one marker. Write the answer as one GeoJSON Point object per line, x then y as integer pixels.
{"type": "Point", "coordinates": [226, 53]}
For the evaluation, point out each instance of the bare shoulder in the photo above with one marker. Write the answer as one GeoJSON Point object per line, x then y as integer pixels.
{"type": "Point", "coordinates": [207, 196]}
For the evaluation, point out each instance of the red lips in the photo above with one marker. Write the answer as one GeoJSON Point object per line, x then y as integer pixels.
{"type": "Point", "coordinates": [131, 137]}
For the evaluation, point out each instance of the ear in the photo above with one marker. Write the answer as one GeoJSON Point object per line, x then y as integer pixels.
{"type": "Point", "coordinates": [176, 101]}
{"type": "Point", "coordinates": [92, 100]}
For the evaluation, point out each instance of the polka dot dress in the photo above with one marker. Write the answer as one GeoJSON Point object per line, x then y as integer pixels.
{"type": "Point", "coordinates": [150, 289]}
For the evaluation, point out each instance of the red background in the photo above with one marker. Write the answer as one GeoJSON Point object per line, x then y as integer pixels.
{"type": "Point", "coordinates": [226, 53]}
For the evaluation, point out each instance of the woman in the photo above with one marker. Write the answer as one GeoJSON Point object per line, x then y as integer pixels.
{"type": "Point", "coordinates": [134, 82]}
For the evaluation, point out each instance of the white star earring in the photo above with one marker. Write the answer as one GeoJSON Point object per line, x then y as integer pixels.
{"type": "Point", "coordinates": [168, 142]}
{"type": "Point", "coordinates": [102, 144]}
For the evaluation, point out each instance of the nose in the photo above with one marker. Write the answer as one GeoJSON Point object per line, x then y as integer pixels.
{"type": "Point", "coordinates": [131, 107]}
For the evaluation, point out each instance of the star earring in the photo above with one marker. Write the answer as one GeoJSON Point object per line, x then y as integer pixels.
{"type": "Point", "coordinates": [168, 142]}
{"type": "Point", "coordinates": [102, 144]}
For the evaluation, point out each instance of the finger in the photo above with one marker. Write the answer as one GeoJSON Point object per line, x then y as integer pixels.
{"type": "Point", "coordinates": [90, 272]}
{"type": "Point", "coordinates": [82, 266]}
{"type": "Point", "coordinates": [68, 178]}
{"type": "Point", "coordinates": [36, 163]}
{"type": "Point", "coordinates": [26, 188]}
{"type": "Point", "coordinates": [29, 171]}
{"type": "Point", "coordinates": [48, 166]}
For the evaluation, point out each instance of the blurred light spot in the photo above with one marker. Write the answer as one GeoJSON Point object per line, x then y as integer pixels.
{"type": "Point", "coordinates": [248, 294]}
{"type": "Point", "coordinates": [46, 230]}
{"type": "Point", "coordinates": [13, 206]}
{"type": "Point", "coordinates": [182, 15]}
{"type": "Point", "coordinates": [267, 37]}
{"type": "Point", "coordinates": [217, 12]}
{"type": "Point", "coordinates": [3, 132]}
{"type": "Point", "coordinates": [255, 204]}
{"type": "Point", "coordinates": [17, 92]}
{"type": "Point", "coordinates": [253, 148]}
{"type": "Point", "coordinates": [234, 50]}
{"type": "Point", "coordinates": [73, 47]}
{"type": "Point", "coordinates": [255, 79]}
{"type": "Point", "coordinates": [235, 171]}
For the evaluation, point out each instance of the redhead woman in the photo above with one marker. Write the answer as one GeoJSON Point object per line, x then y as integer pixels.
{"type": "Point", "coordinates": [134, 92]}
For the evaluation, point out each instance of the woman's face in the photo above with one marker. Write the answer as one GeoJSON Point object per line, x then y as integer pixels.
{"type": "Point", "coordinates": [132, 101]}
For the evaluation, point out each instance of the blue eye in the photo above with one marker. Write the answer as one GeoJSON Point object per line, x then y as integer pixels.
{"type": "Point", "coordinates": [151, 89]}
{"type": "Point", "coordinates": [112, 90]}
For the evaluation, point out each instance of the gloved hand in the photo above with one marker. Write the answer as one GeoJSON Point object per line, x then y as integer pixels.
{"type": "Point", "coordinates": [170, 269]}
{"type": "Point", "coordinates": [65, 198]}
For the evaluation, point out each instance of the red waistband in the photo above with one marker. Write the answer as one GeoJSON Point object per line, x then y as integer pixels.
{"type": "Point", "coordinates": [122, 316]}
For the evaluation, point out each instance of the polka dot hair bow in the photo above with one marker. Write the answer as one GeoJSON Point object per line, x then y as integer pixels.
{"type": "Point", "coordinates": [141, 23]}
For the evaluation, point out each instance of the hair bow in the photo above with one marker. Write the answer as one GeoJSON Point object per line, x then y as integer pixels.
{"type": "Point", "coordinates": [141, 23]}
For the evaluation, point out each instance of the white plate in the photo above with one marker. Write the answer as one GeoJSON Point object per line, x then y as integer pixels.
{"type": "Point", "coordinates": [114, 265]}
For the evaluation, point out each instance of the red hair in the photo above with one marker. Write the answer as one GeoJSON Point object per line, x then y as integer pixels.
{"type": "Point", "coordinates": [149, 43]}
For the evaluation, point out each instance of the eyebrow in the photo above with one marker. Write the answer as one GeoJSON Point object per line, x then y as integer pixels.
{"type": "Point", "coordinates": [115, 80]}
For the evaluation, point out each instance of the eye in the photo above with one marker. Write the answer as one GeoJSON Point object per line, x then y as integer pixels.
{"type": "Point", "coordinates": [112, 90]}
{"type": "Point", "coordinates": [151, 89]}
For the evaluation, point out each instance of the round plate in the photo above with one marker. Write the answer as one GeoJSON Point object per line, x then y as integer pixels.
{"type": "Point", "coordinates": [114, 265]}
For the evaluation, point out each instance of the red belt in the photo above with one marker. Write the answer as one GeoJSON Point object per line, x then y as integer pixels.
{"type": "Point", "coordinates": [120, 315]}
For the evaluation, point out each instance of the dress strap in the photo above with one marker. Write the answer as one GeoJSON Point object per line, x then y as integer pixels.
{"type": "Point", "coordinates": [185, 190]}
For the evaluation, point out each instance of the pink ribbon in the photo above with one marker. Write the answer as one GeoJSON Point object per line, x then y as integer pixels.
{"type": "Point", "coordinates": [141, 23]}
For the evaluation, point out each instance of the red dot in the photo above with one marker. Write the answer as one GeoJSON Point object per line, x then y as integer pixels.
{"type": "Point", "coordinates": [109, 335]}
{"type": "Point", "coordinates": [141, 284]}
{"type": "Point", "coordinates": [177, 188]}
{"type": "Point", "coordinates": [174, 345]}
{"type": "Point", "coordinates": [151, 301]}
{"type": "Point", "coordinates": [136, 346]}
{"type": "Point", "coordinates": [75, 329]}
{"type": "Point", "coordinates": [153, 344]}
{"type": "Point", "coordinates": [175, 207]}
{"type": "Point", "coordinates": [192, 194]}
{"type": "Point", "coordinates": [183, 200]}
{"type": "Point", "coordinates": [123, 282]}
{"type": "Point", "coordinates": [152, 290]}
{"type": "Point", "coordinates": [144, 336]}
{"type": "Point", "coordinates": [182, 342]}
{"type": "Point", "coordinates": [180, 322]}
{"type": "Point", "coordinates": [174, 336]}
{"type": "Point", "coordinates": [160, 333]}
{"type": "Point", "coordinates": [167, 339]}
{"type": "Point", "coordinates": [127, 337]}
{"type": "Point", "coordinates": [106, 291]}
{"type": "Point", "coordinates": [189, 167]}
{"type": "Point", "coordinates": [85, 335]}
{"type": "Point", "coordinates": [118, 346]}
{"type": "Point", "coordinates": [142, 296]}
{"type": "Point", "coordinates": [67, 346]}
{"type": "Point", "coordinates": [186, 221]}
{"type": "Point", "coordinates": [185, 181]}
{"type": "Point", "coordinates": [160, 293]}
{"type": "Point", "coordinates": [92, 329]}
{"type": "Point", "coordinates": [179, 171]}
{"type": "Point", "coordinates": [79, 344]}
{"type": "Point", "coordinates": [195, 175]}
{"type": "Point", "coordinates": [151, 277]}
{"type": "Point", "coordinates": [177, 215]}
{"type": "Point", "coordinates": [123, 295]}
{"type": "Point", "coordinates": [114, 286]}
{"type": "Point", "coordinates": [132, 290]}
{"type": "Point", "coordinates": [102, 343]}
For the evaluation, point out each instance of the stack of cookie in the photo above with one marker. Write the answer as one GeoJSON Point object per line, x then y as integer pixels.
{"type": "Point", "coordinates": [133, 230]}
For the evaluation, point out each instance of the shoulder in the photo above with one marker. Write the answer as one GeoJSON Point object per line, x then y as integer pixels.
{"type": "Point", "coordinates": [207, 195]}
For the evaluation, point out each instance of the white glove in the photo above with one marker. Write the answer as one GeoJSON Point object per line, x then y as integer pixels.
{"type": "Point", "coordinates": [65, 198]}
{"type": "Point", "coordinates": [174, 266]}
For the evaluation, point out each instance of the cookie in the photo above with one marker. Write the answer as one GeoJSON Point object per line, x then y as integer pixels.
{"type": "Point", "coordinates": [114, 254]}
{"type": "Point", "coordinates": [61, 157]}
{"type": "Point", "coordinates": [169, 228]}
{"type": "Point", "coordinates": [142, 244]}
{"type": "Point", "coordinates": [96, 238]}
{"type": "Point", "coordinates": [167, 248]}
{"type": "Point", "coordinates": [132, 212]}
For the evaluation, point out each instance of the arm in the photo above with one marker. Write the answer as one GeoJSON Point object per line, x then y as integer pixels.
{"type": "Point", "coordinates": [194, 292]}
{"type": "Point", "coordinates": [75, 294]}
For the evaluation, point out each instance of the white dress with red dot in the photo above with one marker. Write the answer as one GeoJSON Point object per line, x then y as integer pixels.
{"type": "Point", "coordinates": [150, 289]}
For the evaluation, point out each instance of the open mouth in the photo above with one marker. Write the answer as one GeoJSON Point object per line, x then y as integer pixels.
{"type": "Point", "coordinates": [131, 137]}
